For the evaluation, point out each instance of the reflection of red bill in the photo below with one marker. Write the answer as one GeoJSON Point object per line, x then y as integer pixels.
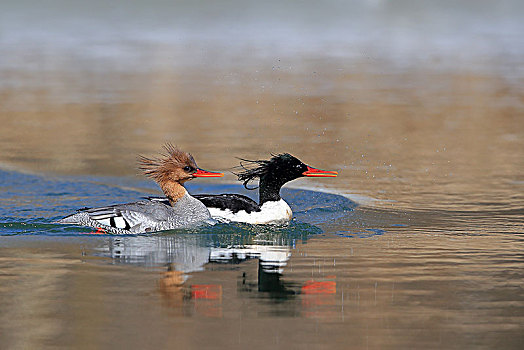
{"type": "Point", "coordinates": [99, 231]}
{"type": "Point", "coordinates": [324, 287]}
{"type": "Point", "coordinates": [206, 291]}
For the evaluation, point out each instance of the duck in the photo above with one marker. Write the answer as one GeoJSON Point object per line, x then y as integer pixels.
{"type": "Point", "coordinates": [272, 175]}
{"type": "Point", "coordinates": [170, 170]}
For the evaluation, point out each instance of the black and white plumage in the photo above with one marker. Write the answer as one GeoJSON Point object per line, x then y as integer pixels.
{"type": "Point", "coordinates": [272, 175]}
{"type": "Point", "coordinates": [231, 201]}
{"type": "Point", "coordinates": [144, 216]}
{"type": "Point", "coordinates": [178, 210]}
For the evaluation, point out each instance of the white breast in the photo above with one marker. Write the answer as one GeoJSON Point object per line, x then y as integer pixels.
{"type": "Point", "coordinates": [275, 212]}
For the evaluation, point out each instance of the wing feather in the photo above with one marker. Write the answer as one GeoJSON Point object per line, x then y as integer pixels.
{"type": "Point", "coordinates": [122, 216]}
{"type": "Point", "coordinates": [233, 202]}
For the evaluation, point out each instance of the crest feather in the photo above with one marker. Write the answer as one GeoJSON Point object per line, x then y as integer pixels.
{"type": "Point", "coordinates": [161, 167]}
{"type": "Point", "coordinates": [250, 170]}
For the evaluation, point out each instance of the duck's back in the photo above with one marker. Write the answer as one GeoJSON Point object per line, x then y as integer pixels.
{"type": "Point", "coordinates": [143, 216]}
{"type": "Point", "coordinates": [191, 211]}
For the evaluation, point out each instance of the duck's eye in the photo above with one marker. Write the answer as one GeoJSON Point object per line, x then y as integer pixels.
{"type": "Point", "coordinates": [188, 168]}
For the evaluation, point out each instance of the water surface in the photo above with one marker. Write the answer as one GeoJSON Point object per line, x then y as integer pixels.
{"type": "Point", "coordinates": [417, 244]}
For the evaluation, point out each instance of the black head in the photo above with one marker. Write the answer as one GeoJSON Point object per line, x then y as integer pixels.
{"type": "Point", "coordinates": [275, 172]}
{"type": "Point", "coordinates": [278, 170]}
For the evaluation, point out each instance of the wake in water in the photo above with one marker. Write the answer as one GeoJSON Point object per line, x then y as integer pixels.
{"type": "Point", "coordinates": [30, 204]}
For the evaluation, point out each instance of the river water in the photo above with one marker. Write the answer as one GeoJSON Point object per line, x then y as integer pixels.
{"type": "Point", "coordinates": [418, 243]}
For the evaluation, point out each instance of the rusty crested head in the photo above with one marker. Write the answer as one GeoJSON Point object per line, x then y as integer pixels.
{"type": "Point", "coordinates": [169, 165]}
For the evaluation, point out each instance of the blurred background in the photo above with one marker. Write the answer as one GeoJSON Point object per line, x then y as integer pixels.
{"type": "Point", "coordinates": [397, 95]}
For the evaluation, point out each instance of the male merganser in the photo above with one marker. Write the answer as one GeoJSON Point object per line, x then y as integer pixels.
{"type": "Point", "coordinates": [179, 210]}
{"type": "Point", "coordinates": [271, 209]}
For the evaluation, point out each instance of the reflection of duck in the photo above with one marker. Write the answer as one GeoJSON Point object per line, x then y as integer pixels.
{"type": "Point", "coordinates": [268, 281]}
{"type": "Point", "coordinates": [272, 258]}
{"type": "Point", "coordinates": [185, 254]}
{"type": "Point", "coordinates": [273, 174]}
{"type": "Point", "coordinates": [171, 286]}
{"type": "Point", "coordinates": [180, 209]}
{"type": "Point", "coordinates": [189, 253]}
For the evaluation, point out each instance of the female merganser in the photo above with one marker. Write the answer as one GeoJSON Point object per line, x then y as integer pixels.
{"type": "Point", "coordinates": [179, 210]}
{"type": "Point", "coordinates": [271, 209]}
